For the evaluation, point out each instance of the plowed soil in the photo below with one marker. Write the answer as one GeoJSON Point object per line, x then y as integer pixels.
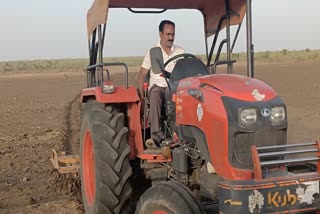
{"type": "Point", "coordinates": [41, 111]}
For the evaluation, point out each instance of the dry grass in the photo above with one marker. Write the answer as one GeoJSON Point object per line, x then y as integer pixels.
{"type": "Point", "coordinates": [283, 56]}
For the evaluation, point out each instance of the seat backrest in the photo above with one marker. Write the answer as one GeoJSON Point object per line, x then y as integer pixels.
{"type": "Point", "coordinates": [186, 67]}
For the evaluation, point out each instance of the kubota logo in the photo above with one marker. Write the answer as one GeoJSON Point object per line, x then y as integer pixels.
{"type": "Point", "coordinates": [265, 112]}
{"type": "Point", "coordinates": [280, 200]}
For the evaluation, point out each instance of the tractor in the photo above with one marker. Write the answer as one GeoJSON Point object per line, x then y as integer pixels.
{"type": "Point", "coordinates": [224, 147]}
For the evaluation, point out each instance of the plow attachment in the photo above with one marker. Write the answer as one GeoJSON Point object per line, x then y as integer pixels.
{"type": "Point", "coordinates": [65, 163]}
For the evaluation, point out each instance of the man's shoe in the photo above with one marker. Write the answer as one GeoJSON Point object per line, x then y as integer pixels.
{"type": "Point", "coordinates": [151, 144]}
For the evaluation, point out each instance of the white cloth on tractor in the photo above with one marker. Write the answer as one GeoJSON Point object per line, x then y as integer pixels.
{"type": "Point", "coordinates": [156, 78]}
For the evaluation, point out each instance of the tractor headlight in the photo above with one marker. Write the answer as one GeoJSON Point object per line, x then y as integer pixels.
{"type": "Point", "coordinates": [248, 116]}
{"type": "Point", "coordinates": [278, 114]}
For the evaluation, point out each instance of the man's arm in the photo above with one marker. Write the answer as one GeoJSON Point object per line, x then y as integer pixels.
{"type": "Point", "coordinates": [142, 75]}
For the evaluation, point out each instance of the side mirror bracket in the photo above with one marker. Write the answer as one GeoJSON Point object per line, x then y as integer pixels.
{"type": "Point", "coordinates": [156, 59]}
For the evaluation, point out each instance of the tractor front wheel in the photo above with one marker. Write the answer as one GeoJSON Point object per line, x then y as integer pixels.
{"type": "Point", "coordinates": [104, 163]}
{"type": "Point", "coordinates": [168, 198]}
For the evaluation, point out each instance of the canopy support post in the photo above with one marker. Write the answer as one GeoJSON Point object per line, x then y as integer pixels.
{"type": "Point", "coordinates": [230, 66]}
{"type": "Point", "coordinates": [250, 46]}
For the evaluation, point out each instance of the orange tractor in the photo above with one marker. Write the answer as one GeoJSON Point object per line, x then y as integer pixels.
{"type": "Point", "coordinates": [224, 148]}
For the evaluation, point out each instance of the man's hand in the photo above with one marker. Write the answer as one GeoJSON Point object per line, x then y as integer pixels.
{"type": "Point", "coordinates": [142, 100]}
{"type": "Point", "coordinates": [142, 75]}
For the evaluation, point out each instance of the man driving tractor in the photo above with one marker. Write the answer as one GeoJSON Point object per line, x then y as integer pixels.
{"type": "Point", "coordinates": [225, 146]}
{"type": "Point", "coordinates": [157, 83]}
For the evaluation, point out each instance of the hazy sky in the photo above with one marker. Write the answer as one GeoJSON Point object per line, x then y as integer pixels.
{"type": "Point", "coordinates": [55, 29]}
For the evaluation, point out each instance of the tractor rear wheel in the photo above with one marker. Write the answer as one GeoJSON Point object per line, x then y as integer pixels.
{"type": "Point", "coordinates": [104, 163]}
{"type": "Point", "coordinates": [168, 198]}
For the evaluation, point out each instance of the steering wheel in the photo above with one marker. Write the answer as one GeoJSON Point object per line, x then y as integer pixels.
{"type": "Point", "coordinates": [184, 55]}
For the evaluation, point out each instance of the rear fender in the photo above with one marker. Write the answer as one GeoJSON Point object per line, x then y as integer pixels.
{"type": "Point", "coordinates": [130, 98]}
{"type": "Point", "coordinates": [120, 95]}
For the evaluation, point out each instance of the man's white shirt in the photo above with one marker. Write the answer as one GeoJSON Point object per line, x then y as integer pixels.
{"type": "Point", "coordinates": [156, 78]}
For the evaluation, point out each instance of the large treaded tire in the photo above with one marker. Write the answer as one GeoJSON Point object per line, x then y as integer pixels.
{"type": "Point", "coordinates": [104, 162]}
{"type": "Point", "coordinates": [168, 198]}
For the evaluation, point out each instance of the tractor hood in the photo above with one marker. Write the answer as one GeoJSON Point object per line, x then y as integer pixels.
{"type": "Point", "coordinates": [235, 86]}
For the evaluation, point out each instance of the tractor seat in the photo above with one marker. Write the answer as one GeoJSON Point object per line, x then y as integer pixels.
{"type": "Point", "coordinates": [186, 67]}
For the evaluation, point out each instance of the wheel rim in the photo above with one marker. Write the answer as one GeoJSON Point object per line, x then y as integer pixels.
{"type": "Point", "coordinates": [89, 172]}
{"type": "Point", "coordinates": [159, 212]}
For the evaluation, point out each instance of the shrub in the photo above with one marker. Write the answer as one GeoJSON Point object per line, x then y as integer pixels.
{"type": "Point", "coordinates": [284, 51]}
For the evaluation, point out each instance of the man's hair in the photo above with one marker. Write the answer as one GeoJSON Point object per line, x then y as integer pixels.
{"type": "Point", "coordinates": [162, 23]}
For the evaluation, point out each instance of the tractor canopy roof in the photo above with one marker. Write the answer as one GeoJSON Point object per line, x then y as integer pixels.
{"type": "Point", "coordinates": [212, 10]}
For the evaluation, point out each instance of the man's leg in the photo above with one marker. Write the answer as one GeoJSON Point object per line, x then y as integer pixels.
{"type": "Point", "coordinates": [156, 98]}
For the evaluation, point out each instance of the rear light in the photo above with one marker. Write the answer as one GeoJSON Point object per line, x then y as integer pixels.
{"type": "Point", "coordinates": [108, 89]}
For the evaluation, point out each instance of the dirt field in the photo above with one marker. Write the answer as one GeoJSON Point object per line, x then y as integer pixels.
{"type": "Point", "coordinates": [39, 112]}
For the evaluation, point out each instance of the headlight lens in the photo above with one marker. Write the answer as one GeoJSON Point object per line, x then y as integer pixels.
{"type": "Point", "coordinates": [108, 89]}
{"type": "Point", "coordinates": [278, 114]}
{"type": "Point", "coordinates": [248, 116]}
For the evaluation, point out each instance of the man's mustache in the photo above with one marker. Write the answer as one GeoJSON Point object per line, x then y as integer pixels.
{"type": "Point", "coordinates": [170, 40]}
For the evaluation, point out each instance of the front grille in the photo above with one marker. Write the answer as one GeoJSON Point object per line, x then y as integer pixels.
{"type": "Point", "coordinates": [262, 133]}
{"type": "Point", "coordinates": [241, 156]}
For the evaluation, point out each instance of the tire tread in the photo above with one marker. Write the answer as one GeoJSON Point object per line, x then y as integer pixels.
{"type": "Point", "coordinates": [109, 136]}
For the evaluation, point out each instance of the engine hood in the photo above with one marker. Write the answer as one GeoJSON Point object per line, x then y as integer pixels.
{"type": "Point", "coordinates": [235, 86]}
